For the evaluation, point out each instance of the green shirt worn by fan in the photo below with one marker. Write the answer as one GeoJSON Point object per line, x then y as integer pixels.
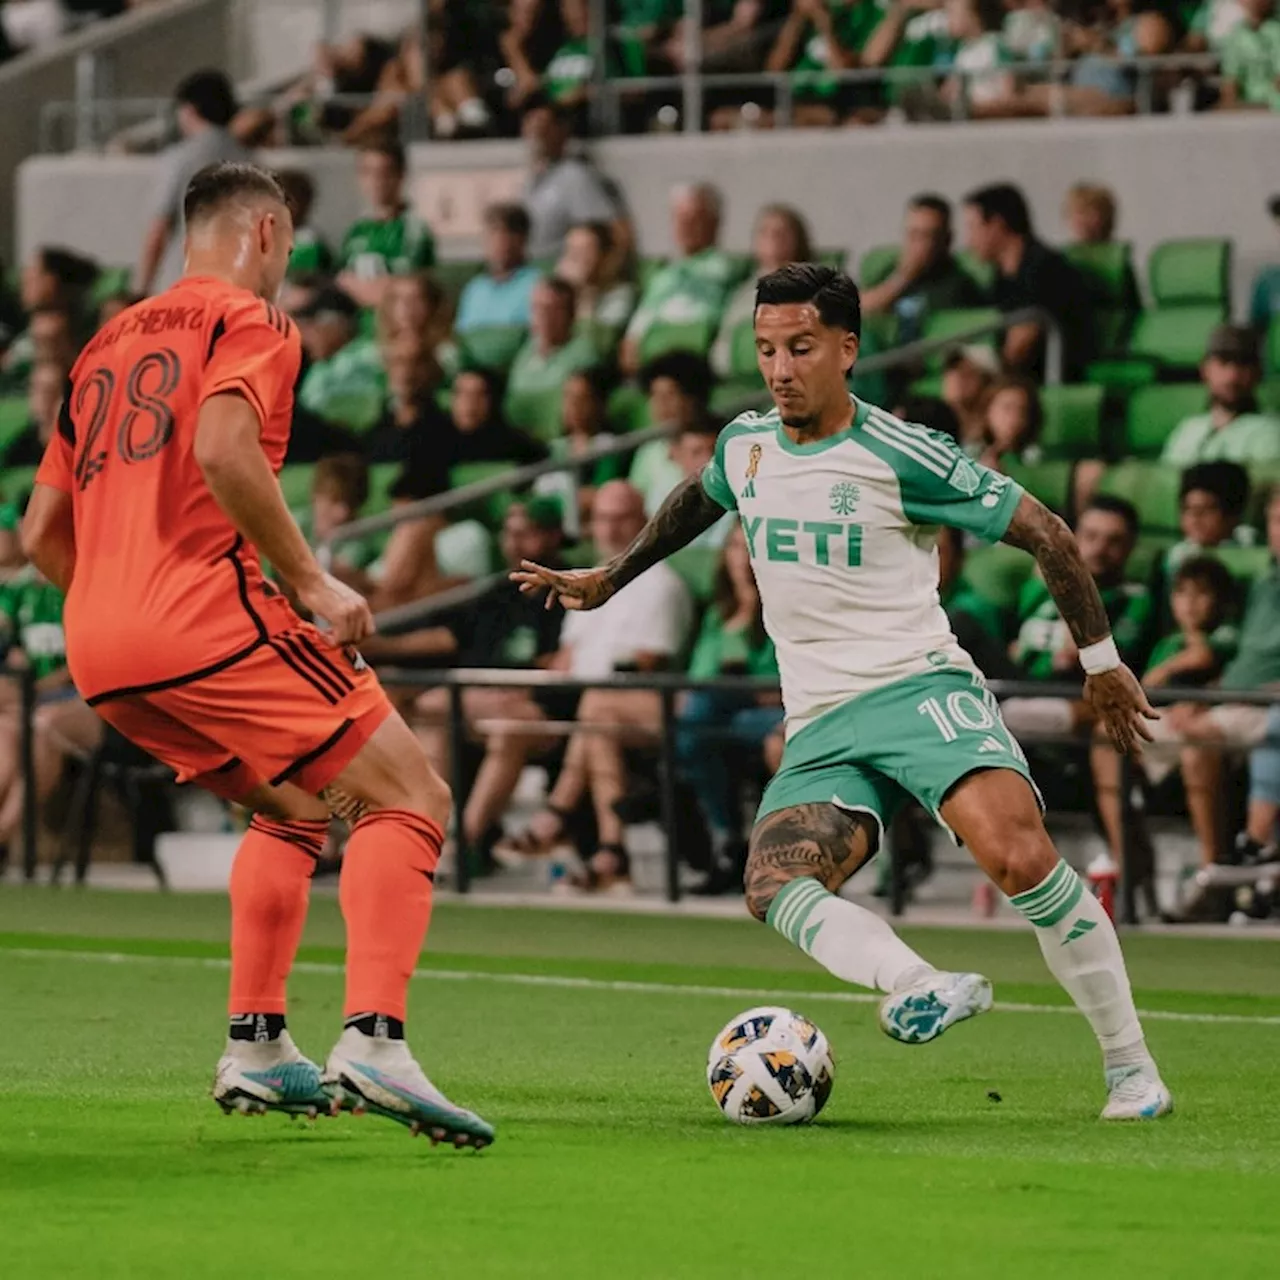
{"type": "Point", "coordinates": [31, 613]}
{"type": "Point", "coordinates": [1042, 634]}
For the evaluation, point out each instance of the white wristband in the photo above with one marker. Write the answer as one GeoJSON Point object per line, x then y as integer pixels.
{"type": "Point", "coordinates": [1100, 657]}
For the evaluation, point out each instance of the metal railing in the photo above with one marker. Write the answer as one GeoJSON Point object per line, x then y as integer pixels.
{"type": "Point", "coordinates": [909, 354]}
{"type": "Point", "coordinates": [27, 698]}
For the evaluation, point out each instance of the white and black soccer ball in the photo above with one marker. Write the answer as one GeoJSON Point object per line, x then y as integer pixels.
{"type": "Point", "coordinates": [770, 1066]}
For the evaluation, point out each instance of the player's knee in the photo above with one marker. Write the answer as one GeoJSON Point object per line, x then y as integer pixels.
{"type": "Point", "coordinates": [420, 790]}
{"type": "Point", "coordinates": [1025, 858]}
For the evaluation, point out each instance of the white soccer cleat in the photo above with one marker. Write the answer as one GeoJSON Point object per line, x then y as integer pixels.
{"type": "Point", "coordinates": [371, 1073]}
{"type": "Point", "coordinates": [1136, 1093]}
{"type": "Point", "coordinates": [254, 1077]}
{"type": "Point", "coordinates": [923, 1009]}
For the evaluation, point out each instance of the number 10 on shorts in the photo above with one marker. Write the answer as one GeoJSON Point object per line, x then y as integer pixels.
{"type": "Point", "coordinates": [965, 712]}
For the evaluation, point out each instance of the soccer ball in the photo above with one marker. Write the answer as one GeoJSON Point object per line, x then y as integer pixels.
{"type": "Point", "coordinates": [770, 1066]}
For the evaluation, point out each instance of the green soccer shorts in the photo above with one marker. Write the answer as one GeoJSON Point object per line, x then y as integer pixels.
{"type": "Point", "coordinates": [916, 737]}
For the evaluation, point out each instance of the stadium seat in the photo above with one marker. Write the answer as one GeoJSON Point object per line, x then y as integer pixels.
{"type": "Point", "coordinates": [1072, 421]}
{"type": "Point", "coordinates": [452, 275]}
{"type": "Point", "coordinates": [998, 573]}
{"type": "Point", "coordinates": [1175, 336]}
{"type": "Point", "coordinates": [1269, 395]}
{"type": "Point", "coordinates": [110, 281]}
{"type": "Point", "coordinates": [14, 419]}
{"type": "Point", "coordinates": [742, 351]}
{"type": "Point", "coordinates": [1263, 478]}
{"type": "Point", "coordinates": [16, 482]}
{"type": "Point", "coordinates": [1146, 553]}
{"type": "Point", "coordinates": [982, 273]}
{"type": "Point", "coordinates": [1245, 564]}
{"type": "Point", "coordinates": [943, 324]}
{"type": "Point", "coordinates": [1191, 273]}
{"type": "Point", "coordinates": [1048, 481]}
{"type": "Point", "coordinates": [381, 478]}
{"type": "Point", "coordinates": [627, 409]}
{"type": "Point", "coordinates": [1151, 487]}
{"type": "Point", "coordinates": [1107, 269]}
{"type": "Point", "coordinates": [1271, 348]}
{"type": "Point", "coordinates": [733, 395]}
{"type": "Point", "coordinates": [488, 510]}
{"type": "Point", "coordinates": [537, 412]}
{"type": "Point", "coordinates": [295, 484]}
{"type": "Point", "coordinates": [877, 265]}
{"type": "Point", "coordinates": [693, 335]}
{"type": "Point", "coordinates": [1153, 412]}
{"type": "Point", "coordinates": [493, 347]}
{"type": "Point", "coordinates": [697, 569]}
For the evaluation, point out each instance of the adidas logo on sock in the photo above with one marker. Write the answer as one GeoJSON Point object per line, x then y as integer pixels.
{"type": "Point", "coordinates": [1079, 929]}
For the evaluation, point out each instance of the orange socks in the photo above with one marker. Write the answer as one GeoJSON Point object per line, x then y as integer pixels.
{"type": "Point", "coordinates": [385, 892]}
{"type": "Point", "coordinates": [270, 884]}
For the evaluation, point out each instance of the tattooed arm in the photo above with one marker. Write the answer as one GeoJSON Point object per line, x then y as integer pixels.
{"type": "Point", "coordinates": [1116, 696]}
{"type": "Point", "coordinates": [687, 511]}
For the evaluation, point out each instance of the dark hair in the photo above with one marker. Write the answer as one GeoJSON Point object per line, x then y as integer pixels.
{"type": "Point", "coordinates": [1209, 572]}
{"type": "Point", "coordinates": [1114, 506]}
{"type": "Point", "coordinates": [927, 411]}
{"type": "Point", "coordinates": [71, 269]}
{"type": "Point", "coordinates": [832, 292]}
{"type": "Point", "coordinates": [388, 147]}
{"type": "Point", "coordinates": [1028, 387]}
{"type": "Point", "coordinates": [509, 216]}
{"type": "Point", "coordinates": [345, 475]}
{"type": "Point", "coordinates": [990, 14]}
{"type": "Point", "coordinates": [602, 231]}
{"type": "Point", "coordinates": [1227, 481]}
{"type": "Point", "coordinates": [1004, 201]}
{"type": "Point", "coordinates": [934, 203]}
{"type": "Point", "coordinates": [560, 286]}
{"type": "Point", "coordinates": [210, 95]}
{"type": "Point", "coordinates": [299, 191]}
{"type": "Point", "coordinates": [219, 184]}
{"type": "Point", "coordinates": [688, 370]}
{"type": "Point", "coordinates": [598, 378]}
{"type": "Point", "coordinates": [494, 384]}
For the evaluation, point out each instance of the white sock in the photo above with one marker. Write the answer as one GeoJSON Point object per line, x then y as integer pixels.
{"type": "Point", "coordinates": [1082, 951]}
{"type": "Point", "coordinates": [853, 943]}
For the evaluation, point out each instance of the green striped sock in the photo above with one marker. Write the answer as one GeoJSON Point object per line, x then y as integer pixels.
{"type": "Point", "coordinates": [1053, 898]}
{"type": "Point", "coordinates": [791, 909]}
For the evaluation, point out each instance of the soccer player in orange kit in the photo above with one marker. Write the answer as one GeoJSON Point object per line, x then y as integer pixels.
{"type": "Point", "coordinates": [154, 502]}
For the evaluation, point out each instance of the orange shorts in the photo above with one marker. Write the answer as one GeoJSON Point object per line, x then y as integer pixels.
{"type": "Point", "coordinates": [296, 708]}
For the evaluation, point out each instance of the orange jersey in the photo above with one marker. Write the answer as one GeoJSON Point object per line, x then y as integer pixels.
{"type": "Point", "coordinates": [164, 587]}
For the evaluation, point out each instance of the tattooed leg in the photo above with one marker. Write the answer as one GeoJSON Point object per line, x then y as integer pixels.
{"type": "Point", "coordinates": [799, 856]}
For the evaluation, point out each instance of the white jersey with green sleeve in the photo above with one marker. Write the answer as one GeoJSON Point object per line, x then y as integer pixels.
{"type": "Point", "coordinates": [842, 537]}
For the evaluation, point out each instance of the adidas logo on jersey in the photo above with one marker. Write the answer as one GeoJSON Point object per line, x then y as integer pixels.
{"type": "Point", "coordinates": [990, 744]}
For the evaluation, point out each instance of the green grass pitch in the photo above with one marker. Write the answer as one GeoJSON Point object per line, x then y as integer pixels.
{"type": "Point", "coordinates": [611, 1159]}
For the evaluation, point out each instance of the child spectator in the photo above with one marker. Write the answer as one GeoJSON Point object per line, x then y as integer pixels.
{"type": "Point", "coordinates": [1214, 496]}
{"type": "Point", "coordinates": [339, 491]}
{"type": "Point", "coordinates": [1012, 423]}
{"type": "Point", "coordinates": [311, 254]}
{"type": "Point", "coordinates": [678, 385]}
{"type": "Point", "coordinates": [1195, 654]}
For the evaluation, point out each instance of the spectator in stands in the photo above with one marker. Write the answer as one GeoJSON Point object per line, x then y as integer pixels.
{"type": "Point", "coordinates": [927, 277]}
{"type": "Point", "coordinates": [45, 386]}
{"type": "Point", "coordinates": [643, 628]}
{"type": "Point", "coordinates": [344, 384]}
{"type": "Point", "coordinates": [1032, 30]}
{"type": "Point", "coordinates": [550, 354]}
{"type": "Point", "coordinates": [1028, 274]}
{"type": "Point", "coordinates": [1264, 305]}
{"type": "Point", "coordinates": [977, 78]}
{"type": "Point", "coordinates": [1233, 429]}
{"type": "Point", "coordinates": [54, 277]}
{"type": "Point", "coordinates": [390, 240]}
{"type": "Point", "coordinates": [1250, 54]}
{"type": "Point", "coordinates": [113, 304]}
{"type": "Point", "coordinates": [1044, 650]}
{"type": "Point", "coordinates": [1212, 504]}
{"type": "Point", "coordinates": [735, 36]}
{"type": "Point", "coordinates": [206, 104]}
{"type": "Point", "coordinates": [339, 491]}
{"type": "Point", "coordinates": [502, 293]}
{"type": "Point", "coordinates": [562, 189]}
{"type": "Point", "coordinates": [311, 254]}
{"type": "Point", "coordinates": [678, 385]}
{"type": "Point", "coordinates": [503, 628]}
{"type": "Point", "coordinates": [1256, 664]}
{"type": "Point", "coordinates": [716, 727]}
{"type": "Point", "coordinates": [567, 78]}
{"type": "Point", "coordinates": [780, 236]}
{"type": "Point", "coordinates": [694, 286]}
{"type": "Point", "coordinates": [582, 419]}
{"type": "Point", "coordinates": [1089, 211]}
{"type": "Point", "coordinates": [980, 626]}
{"type": "Point", "coordinates": [50, 335]}
{"type": "Point", "coordinates": [479, 432]}
{"type": "Point", "coordinates": [415, 306]}
{"type": "Point", "coordinates": [1012, 422]}
{"type": "Point", "coordinates": [967, 374]}
{"type": "Point", "coordinates": [591, 264]}
{"type": "Point", "coordinates": [412, 424]}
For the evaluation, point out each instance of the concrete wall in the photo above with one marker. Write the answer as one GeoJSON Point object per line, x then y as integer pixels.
{"type": "Point", "coordinates": [1175, 176]}
{"type": "Point", "coordinates": [145, 54]}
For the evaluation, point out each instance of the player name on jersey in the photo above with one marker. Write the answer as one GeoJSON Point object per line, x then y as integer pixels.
{"type": "Point", "coordinates": [149, 321]}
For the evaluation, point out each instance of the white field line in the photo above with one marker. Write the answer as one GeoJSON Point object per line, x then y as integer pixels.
{"type": "Point", "coordinates": [750, 995]}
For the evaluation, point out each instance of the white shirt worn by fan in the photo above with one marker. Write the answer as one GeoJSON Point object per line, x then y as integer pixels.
{"type": "Point", "coordinates": [653, 614]}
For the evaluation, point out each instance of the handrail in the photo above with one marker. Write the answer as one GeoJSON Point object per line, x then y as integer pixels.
{"type": "Point", "coordinates": [909, 353]}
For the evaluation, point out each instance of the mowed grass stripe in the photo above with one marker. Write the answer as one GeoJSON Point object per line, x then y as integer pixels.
{"type": "Point", "coordinates": [618, 985]}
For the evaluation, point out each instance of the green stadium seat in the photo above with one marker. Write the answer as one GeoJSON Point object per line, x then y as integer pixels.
{"type": "Point", "coordinates": [983, 274]}
{"type": "Point", "coordinates": [694, 335]}
{"type": "Point", "coordinates": [1048, 481]}
{"type": "Point", "coordinates": [15, 482]}
{"type": "Point", "coordinates": [453, 274]}
{"type": "Point", "coordinates": [1108, 271]}
{"type": "Point", "coordinates": [1151, 487]}
{"type": "Point", "coordinates": [998, 573]}
{"type": "Point", "coordinates": [1191, 273]}
{"type": "Point", "coordinates": [537, 412]}
{"type": "Point", "coordinates": [1153, 412]}
{"type": "Point", "coordinates": [1122, 375]}
{"type": "Point", "coordinates": [627, 409]}
{"type": "Point", "coordinates": [831, 257]}
{"type": "Point", "coordinates": [1271, 348]}
{"type": "Point", "coordinates": [930, 385]}
{"type": "Point", "coordinates": [1146, 553]}
{"type": "Point", "coordinates": [492, 347]}
{"type": "Point", "coordinates": [742, 351]}
{"type": "Point", "coordinates": [1263, 478]}
{"type": "Point", "coordinates": [110, 281]}
{"type": "Point", "coordinates": [1072, 421]}
{"type": "Point", "coordinates": [733, 395]}
{"type": "Point", "coordinates": [943, 324]}
{"type": "Point", "coordinates": [1245, 564]}
{"type": "Point", "coordinates": [696, 567]}
{"type": "Point", "coordinates": [15, 417]}
{"type": "Point", "coordinates": [489, 510]}
{"type": "Point", "coordinates": [1175, 336]}
{"type": "Point", "coordinates": [1269, 395]}
{"type": "Point", "coordinates": [295, 484]}
{"type": "Point", "coordinates": [877, 264]}
{"type": "Point", "coordinates": [381, 478]}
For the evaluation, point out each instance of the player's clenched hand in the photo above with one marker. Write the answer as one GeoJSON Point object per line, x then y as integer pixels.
{"type": "Point", "coordinates": [342, 611]}
{"type": "Point", "coordinates": [1120, 703]}
{"type": "Point", "coordinates": [573, 588]}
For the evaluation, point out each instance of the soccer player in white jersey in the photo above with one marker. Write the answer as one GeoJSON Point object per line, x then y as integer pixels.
{"type": "Point", "coordinates": [840, 502]}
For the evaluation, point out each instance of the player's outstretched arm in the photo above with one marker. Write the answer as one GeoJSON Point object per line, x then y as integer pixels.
{"type": "Point", "coordinates": [687, 511]}
{"type": "Point", "coordinates": [49, 535]}
{"type": "Point", "coordinates": [229, 453]}
{"type": "Point", "coordinates": [1111, 689]}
